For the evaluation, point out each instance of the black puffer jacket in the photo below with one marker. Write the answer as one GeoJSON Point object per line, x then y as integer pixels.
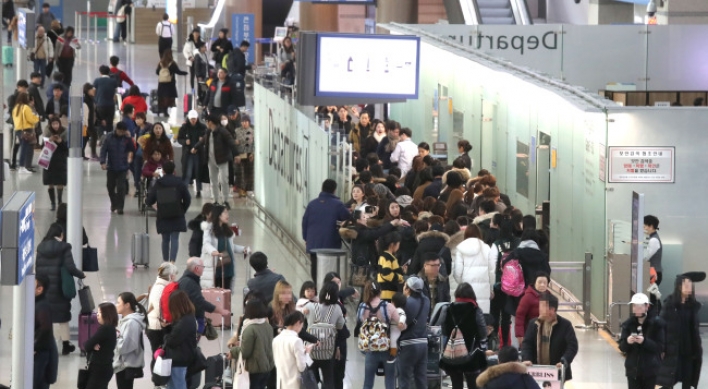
{"type": "Point", "coordinates": [642, 360]}
{"type": "Point", "coordinates": [532, 260]}
{"type": "Point", "coordinates": [181, 342]}
{"type": "Point", "coordinates": [671, 314]}
{"type": "Point", "coordinates": [470, 320]}
{"type": "Point", "coordinates": [510, 375]}
{"type": "Point", "coordinates": [195, 242]}
{"type": "Point", "coordinates": [428, 242]}
{"type": "Point", "coordinates": [51, 256]}
{"type": "Point", "coordinates": [364, 242]}
{"type": "Point", "coordinates": [564, 344]}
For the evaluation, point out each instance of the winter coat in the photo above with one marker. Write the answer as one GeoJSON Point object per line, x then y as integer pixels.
{"type": "Point", "coordinates": [448, 253]}
{"type": "Point", "coordinates": [181, 342]}
{"type": "Point", "coordinates": [642, 360]}
{"type": "Point", "coordinates": [130, 351]}
{"type": "Point", "coordinates": [319, 223]}
{"type": "Point", "coordinates": [57, 172]}
{"type": "Point", "coordinates": [369, 145]}
{"type": "Point", "coordinates": [173, 224]}
{"type": "Point", "coordinates": [363, 244]}
{"type": "Point", "coordinates": [389, 275]}
{"type": "Point", "coordinates": [150, 144]}
{"type": "Point", "coordinates": [420, 189]}
{"type": "Point", "coordinates": [169, 89]}
{"type": "Point", "coordinates": [51, 256]}
{"type": "Point", "coordinates": [154, 304]}
{"type": "Point", "coordinates": [473, 265]}
{"type": "Point", "coordinates": [434, 189]}
{"type": "Point", "coordinates": [409, 244]}
{"type": "Point", "coordinates": [105, 337]}
{"type": "Point", "coordinates": [264, 282]}
{"type": "Point", "coordinates": [225, 44]}
{"type": "Point", "coordinates": [428, 242]}
{"type": "Point", "coordinates": [224, 145]}
{"type": "Point", "coordinates": [195, 242]}
{"type": "Point", "coordinates": [24, 118]}
{"type": "Point", "coordinates": [470, 320]}
{"type": "Point", "coordinates": [290, 359]}
{"type": "Point", "coordinates": [510, 375]}
{"type": "Point", "coordinates": [191, 133]}
{"type": "Point", "coordinates": [532, 260]}
{"type": "Point", "coordinates": [36, 95]}
{"type": "Point", "coordinates": [256, 348]}
{"type": "Point", "coordinates": [244, 138]}
{"type": "Point", "coordinates": [228, 93]}
{"type": "Point", "coordinates": [526, 311]}
{"type": "Point", "coordinates": [670, 314]}
{"type": "Point", "coordinates": [114, 152]}
{"type": "Point", "coordinates": [210, 243]}
{"type": "Point", "coordinates": [443, 289]}
{"type": "Point", "coordinates": [563, 345]}
{"type": "Point", "coordinates": [189, 283]}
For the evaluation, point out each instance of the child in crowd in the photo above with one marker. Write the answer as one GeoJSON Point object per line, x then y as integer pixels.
{"type": "Point", "coordinates": [308, 293]}
{"type": "Point", "coordinates": [398, 301]}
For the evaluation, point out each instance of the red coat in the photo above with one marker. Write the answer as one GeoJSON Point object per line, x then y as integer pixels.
{"type": "Point", "coordinates": [138, 103]}
{"type": "Point", "coordinates": [526, 311]}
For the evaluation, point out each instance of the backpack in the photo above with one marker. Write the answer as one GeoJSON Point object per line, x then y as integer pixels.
{"type": "Point", "coordinates": [168, 203]}
{"type": "Point", "coordinates": [116, 76]}
{"type": "Point", "coordinates": [456, 352]}
{"type": "Point", "coordinates": [373, 333]}
{"type": "Point", "coordinates": [512, 279]}
{"type": "Point", "coordinates": [326, 333]}
{"type": "Point", "coordinates": [164, 75]}
{"type": "Point", "coordinates": [225, 61]}
{"type": "Point", "coordinates": [165, 301]}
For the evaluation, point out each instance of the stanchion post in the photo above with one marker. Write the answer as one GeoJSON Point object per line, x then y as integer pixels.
{"type": "Point", "coordinates": [587, 283]}
{"type": "Point", "coordinates": [95, 30]}
{"type": "Point", "coordinates": [132, 27]}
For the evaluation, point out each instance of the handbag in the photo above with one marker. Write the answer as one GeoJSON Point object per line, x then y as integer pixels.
{"type": "Point", "coordinates": [241, 377]}
{"type": "Point", "coordinates": [359, 275]}
{"type": "Point", "coordinates": [83, 376]}
{"type": "Point", "coordinates": [163, 367]}
{"type": "Point", "coordinates": [210, 331]}
{"type": "Point", "coordinates": [86, 299]}
{"type": "Point", "coordinates": [132, 373]}
{"type": "Point", "coordinates": [89, 259]}
{"type": "Point", "coordinates": [68, 288]}
{"type": "Point", "coordinates": [29, 136]}
{"type": "Point", "coordinates": [199, 363]}
{"type": "Point", "coordinates": [45, 157]}
{"type": "Point", "coordinates": [307, 379]}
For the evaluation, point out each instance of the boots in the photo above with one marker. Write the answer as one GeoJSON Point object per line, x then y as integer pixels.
{"type": "Point", "coordinates": [52, 199]}
{"type": "Point", "coordinates": [67, 348]}
{"type": "Point", "coordinates": [60, 194]}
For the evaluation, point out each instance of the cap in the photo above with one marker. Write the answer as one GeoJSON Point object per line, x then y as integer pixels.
{"type": "Point", "coordinates": [232, 110]}
{"type": "Point", "coordinates": [415, 284]}
{"type": "Point", "coordinates": [404, 200]}
{"type": "Point", "coordinates": [640, 298]}
{"type": "Point", "coordinates": [193, 115]}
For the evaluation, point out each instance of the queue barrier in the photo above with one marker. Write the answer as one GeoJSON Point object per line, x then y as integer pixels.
{"type": "Point", "coordinates": [92, 28]}
{"type": "Point", "coordinates": [570, 302]}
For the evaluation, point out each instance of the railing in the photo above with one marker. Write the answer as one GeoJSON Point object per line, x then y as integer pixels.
{"type": "Point", "coordinates": [570, 302]}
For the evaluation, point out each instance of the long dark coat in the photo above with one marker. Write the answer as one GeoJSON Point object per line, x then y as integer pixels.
{"type": "Point", "coordinates": [51, 256]}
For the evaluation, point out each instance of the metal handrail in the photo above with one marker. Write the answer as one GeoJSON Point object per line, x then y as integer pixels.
{"type": "Point", "coordinates": [584, 303]}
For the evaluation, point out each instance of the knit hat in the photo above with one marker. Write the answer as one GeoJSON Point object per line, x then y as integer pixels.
{"type": "Point", "coordinates": [404, 200]}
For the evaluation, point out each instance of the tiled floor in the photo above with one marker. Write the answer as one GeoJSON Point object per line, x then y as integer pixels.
{"type": "Point", "coordinates": [597, 366]}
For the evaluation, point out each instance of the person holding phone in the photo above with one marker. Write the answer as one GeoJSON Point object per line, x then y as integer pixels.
{"type": "Point", "coordinates": [642, 341]}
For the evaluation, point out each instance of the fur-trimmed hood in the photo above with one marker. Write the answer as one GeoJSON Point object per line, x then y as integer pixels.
{"type": "Point", "coordinates": [433, 234]}
{"type": "Point", "coordinates": [206, 226]}
{"type": "Point", "coordinates": [455, 239]}
{"type": "Point", "coordinates": [348, 233]}
{"type": "Point", "coordinates": [484, 217]}
{"type": "Point", "coordinates": [497, 371]}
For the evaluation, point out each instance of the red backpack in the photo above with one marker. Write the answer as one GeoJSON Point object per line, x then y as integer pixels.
{"type": "Point", "coordinates": [165, 301]}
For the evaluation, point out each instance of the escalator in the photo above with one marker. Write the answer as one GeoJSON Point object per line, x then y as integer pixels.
{"type": "Point", "coordinates": [473, 12]}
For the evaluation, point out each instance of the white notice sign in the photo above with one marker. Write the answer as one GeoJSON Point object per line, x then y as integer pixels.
{"type": "Point", "coordinates": [642, 164]}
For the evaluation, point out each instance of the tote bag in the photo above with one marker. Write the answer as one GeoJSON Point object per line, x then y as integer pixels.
{"type": "Point", "coordinates": [46, 156]}
{"type": "Point", "coordinates": [241, 377]}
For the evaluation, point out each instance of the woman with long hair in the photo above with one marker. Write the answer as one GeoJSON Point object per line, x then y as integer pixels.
{"type": "Point", "coordinates": [130, 352]}
{"type": "Point", "coordinates": [683, 353]}
{"type": "Point", "coordinates": [287, 61]}
{"type": "Point", "coordinates": [194, 41]}
{"type": "Point", "coordinates": [371, 143]}
{"type": "Point", "coordinates": [99, 348]}
{"type": "Point", "coordinates": [56, 173]}
{"type": "Point", "coordinates": [156, 139]}
{"type": "Point", "coordinates": [197, 239]}
{"type": "Point", "coordinates": [181, 342]}
{"type": "Point", "coordinates": [52, 255]}
{"type": "Point", "coordinates": [89, 115]}
{"type": "Point", "coordinates": [218, 245]}
{"type": "Point", "coordinates": [256, 344]}
{"type": "Point", "coordinates": [166, 84]}
{"type": "Point", "coordinates": [473, 265]}
{"type": "Point", "coordinates": [465, 315]}
{"type": "Point", "coordinates": [327, 310]}
{"type": "Point", "coordinates": [358, 200]}
{"type": "Point", "coordinates": [24, 118]}
{"type": "Point", "coordinates": [387, 314]}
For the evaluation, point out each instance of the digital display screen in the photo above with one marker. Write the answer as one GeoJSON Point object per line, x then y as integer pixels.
{"type": "Point", "coordinates": [374, 66]}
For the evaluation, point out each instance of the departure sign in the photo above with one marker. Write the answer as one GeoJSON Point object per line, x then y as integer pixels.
{"type": "Point", "coordinates": [368, 66]}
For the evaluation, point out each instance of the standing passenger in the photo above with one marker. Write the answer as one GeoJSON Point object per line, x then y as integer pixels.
{"type": "Point", "coordinates": [165, 31]}
{"type": "Point", "coordinates": [99, 348]}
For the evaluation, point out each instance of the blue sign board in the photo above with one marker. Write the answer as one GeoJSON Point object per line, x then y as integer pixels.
{"type": "Point", "coordinates": [17, 253]}
{"type": "Point", "coordinates": [25, 239]}
{"type": "Point", "coordinates": [22, 28]}
{"type": "Point", "coordinates": [243, 28]}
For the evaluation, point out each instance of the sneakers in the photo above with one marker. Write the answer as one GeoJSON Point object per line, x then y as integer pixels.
{"type": "Point", "coordinates": [24, 170]}
{"type": "Point", "coordinates": [391, 359]}
{"type": "Point", "coordinates": [13, 167]}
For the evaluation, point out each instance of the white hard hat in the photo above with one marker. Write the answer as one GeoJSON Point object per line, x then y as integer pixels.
{"type": "Point", "coordinates": [640, 298]}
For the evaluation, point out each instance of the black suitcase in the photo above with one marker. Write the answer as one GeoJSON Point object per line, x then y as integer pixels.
{"type": "Point", "coordinates": [435, 348]}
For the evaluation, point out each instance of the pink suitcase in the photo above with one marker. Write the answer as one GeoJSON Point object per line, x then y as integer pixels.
{"type": "Point", "coordinates": [221, 298]}
{"type": "Point", "coordinates": [88, 325]}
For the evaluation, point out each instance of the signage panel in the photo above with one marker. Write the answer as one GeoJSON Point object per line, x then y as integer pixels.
{"type": "Point", "coordinates": [17, 253]}
{"type": "Point", "coordinates": [243, 28]}
{"type": "Point", "coordinates": [25, 28]}
{"type": "Point", "coordinates": [546, 376]}
{"type": "Point", "coordinates": [642, 164]}
{"type": "Point", "coordinates": [367, 66]}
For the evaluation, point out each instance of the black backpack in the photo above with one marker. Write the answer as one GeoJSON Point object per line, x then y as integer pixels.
{"type": "Point", "coordinates": [168, 203]}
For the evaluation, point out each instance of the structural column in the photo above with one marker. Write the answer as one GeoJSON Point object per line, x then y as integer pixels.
{"type": "Point", "coordinates": [399, 11]}
{"type": "Point", "coordinates": [319, 17]}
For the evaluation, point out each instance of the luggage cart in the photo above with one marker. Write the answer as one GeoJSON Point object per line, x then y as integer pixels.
{"type": "Point", "coordinates": [548, 376]}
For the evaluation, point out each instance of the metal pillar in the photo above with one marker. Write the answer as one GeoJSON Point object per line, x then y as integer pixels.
{"type": "Point", "coordinates": [74, 233]}
{"type": "Point", "coordinates": [23, 334]}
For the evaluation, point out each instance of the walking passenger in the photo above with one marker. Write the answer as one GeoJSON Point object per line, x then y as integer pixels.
{"type": "Point", "coordinates": [130, 351]}
{"type": "Point", "coordinates": [191, 136]}
{"type": "Point", "coordinates": [165, 31]}
{"type": "Point", "coordinates": [46, 358]}
{"type": "Point", "coordinates": [56, 173]}
{"type": "Point", "coordinates": [172, 198]}
{"type": "Point", "coordinates": [116, 156]}
{"type": "Point", "coordinates": [220, 149]}
{"type": "Point", "coordinates": [413, 343]}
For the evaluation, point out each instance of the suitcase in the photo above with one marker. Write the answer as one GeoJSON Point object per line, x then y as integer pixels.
{"type": "Point", "coordinates": [141, 247]}
{"type": "Point", "coordinates": [7, 55]}
{"type": "Point", "coordinates": [188, 103]}
{"type": "Point", "coordinates": [216, 366]}
{"type": "Point", "coordinates": [88, 325]}
{"type": "Point", "coordinates": [221, 298]}
{"type": "Point", "coordinates": [435, 347]}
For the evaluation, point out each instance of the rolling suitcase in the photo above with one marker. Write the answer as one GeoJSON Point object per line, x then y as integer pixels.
{"type": "Point", "coordinates": [141, 247]}
{"type": "Point", "coordinates": [435, 344]}
{"type": "Point", "coordinates": [221, 298]}
{"type": "Point", "coordinates": [88, 325]}
{"type": "Point", "coordinates": [216, 374]}
{"type": "Point", "coordinates": [7, 55]}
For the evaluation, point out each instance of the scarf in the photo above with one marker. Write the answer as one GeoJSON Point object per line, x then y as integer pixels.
{"type": "Point", "coordinates": [248, 322]}
{"type": "Point", "coordinates": [392, 143]}
{"type": "Point", "coordinates": [544, 341]}
{"type": "Point", "coordinates": [465, 300]}
{"type": "Point", "coordinates": [378, 136]}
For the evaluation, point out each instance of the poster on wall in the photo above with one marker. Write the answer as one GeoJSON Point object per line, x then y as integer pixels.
{"type": "Point", "coordinates": [547, 377]}
{"type": "Point", "coordinates": [243, 28]}
{"type": "Point", "coordinates": [642, 164]}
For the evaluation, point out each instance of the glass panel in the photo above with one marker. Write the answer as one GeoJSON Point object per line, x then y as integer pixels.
{"type": "Point", "coordinates": [623, 61]}
{"type": "Point", "coordinates": [677, 57]}
{"type": "Point", "coordinates": [522, 169]}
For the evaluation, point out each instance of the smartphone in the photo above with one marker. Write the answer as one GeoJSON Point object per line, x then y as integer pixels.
{"type": "Point", "coordinates": [370, 209]}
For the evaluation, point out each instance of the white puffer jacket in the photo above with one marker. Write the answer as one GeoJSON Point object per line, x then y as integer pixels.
{"type": "Point", "coordinates": [210, 244]}
{"type": "Point", "coordinates": [154, 304]}
{"type": "Point", "coordinates": [473, 265]}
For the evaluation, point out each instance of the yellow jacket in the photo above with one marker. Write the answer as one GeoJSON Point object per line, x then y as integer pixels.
{"type": "Point", "coordinates": [24, 118]}
{"type": "Point", "coordinates": [390, 275]}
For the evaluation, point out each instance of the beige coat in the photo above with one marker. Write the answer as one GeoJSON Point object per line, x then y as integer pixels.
{"type": "Point", "coordinates": [290, 359]}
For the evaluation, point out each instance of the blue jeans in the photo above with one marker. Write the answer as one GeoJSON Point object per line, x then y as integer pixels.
{"type": "Point", "coordinates": [192, 168]}
{"type": "Point", "coordinates": [413, 365]}
{"type": "Point", "coordinates": [40, 66]}
{"type": "Point", "coordinates": [371, 364]}
{"type": "Point", "coordinates": [26, 150]}
{"type": "Point", "coordinates": [178, 378]}
{"type": "Point", "coordinates": [170, 245]}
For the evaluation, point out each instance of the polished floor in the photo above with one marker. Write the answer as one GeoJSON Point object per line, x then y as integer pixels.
{"type": "Point", "coordinates": [598, 365]}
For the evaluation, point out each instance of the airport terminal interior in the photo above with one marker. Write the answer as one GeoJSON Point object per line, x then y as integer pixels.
{"type": "Point", "coordinates": [598, 364]}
